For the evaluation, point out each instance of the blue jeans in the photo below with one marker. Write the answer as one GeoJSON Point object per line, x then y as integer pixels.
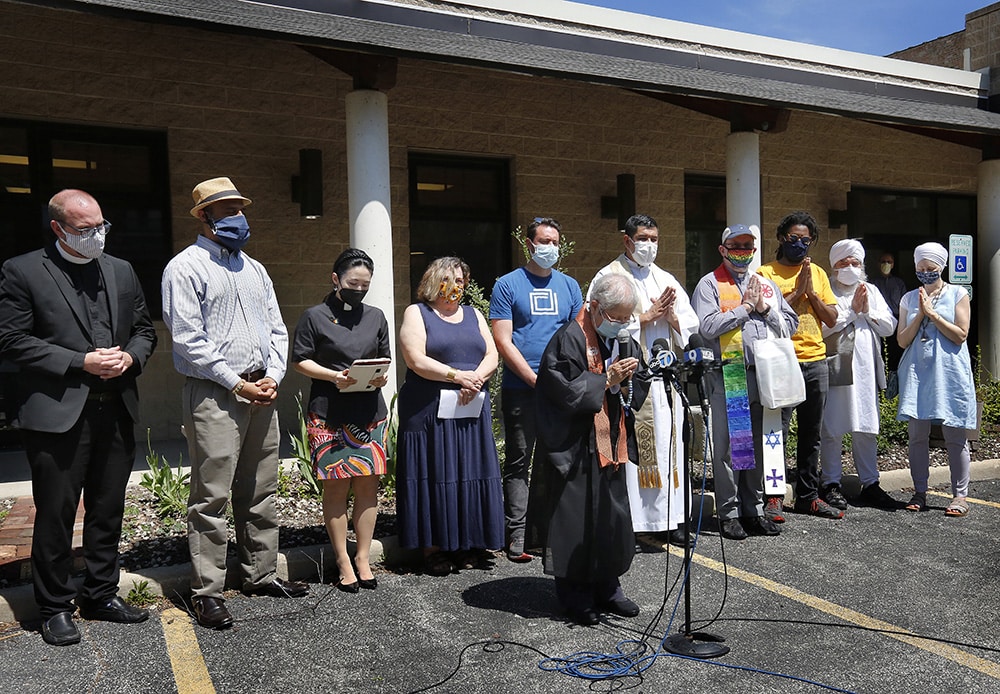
{"type": "Point", "coordinates": [810, 419]}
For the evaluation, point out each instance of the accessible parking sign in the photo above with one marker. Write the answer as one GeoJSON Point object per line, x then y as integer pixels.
{"type": "Point", "coordinates": [960, 259]}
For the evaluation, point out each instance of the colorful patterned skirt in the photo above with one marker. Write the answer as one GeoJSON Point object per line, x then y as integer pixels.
{"type": "Point", "coordinates": [347, 450]}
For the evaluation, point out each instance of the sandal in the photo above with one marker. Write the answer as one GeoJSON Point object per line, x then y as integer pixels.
{"type": "Point", "coordinates": [957, 508]}
{"type": "Point", "coordinates": [438, 564]}
{"type": "Point", "coordinates": [918, 502]}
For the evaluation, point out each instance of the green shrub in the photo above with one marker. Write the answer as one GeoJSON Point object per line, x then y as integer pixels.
{"type": "Point", "coordinates": [170, 488]}
{"type": "Point", "coordinates": [300, 450]}
{"type": "Point", "coordinates": [891, 431]}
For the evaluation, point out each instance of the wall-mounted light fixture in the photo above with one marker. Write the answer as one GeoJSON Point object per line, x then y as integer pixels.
{"type": "Point", "coordinates": [621, 205]}
{"type": "Point", "coordinates": [307, 186]}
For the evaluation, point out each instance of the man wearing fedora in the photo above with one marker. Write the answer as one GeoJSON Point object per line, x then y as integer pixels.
{"type": "Point", "coordinates": [74, 322]}
{"type": "Point", "coordinates": [231, 344]}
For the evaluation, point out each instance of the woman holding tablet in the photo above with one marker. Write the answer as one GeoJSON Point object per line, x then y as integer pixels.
{"type": "Point", "coordinates": [347, 427]}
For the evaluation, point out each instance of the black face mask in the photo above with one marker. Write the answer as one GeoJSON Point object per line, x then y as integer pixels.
{"type": "Point", "coordinates": [352, 297]}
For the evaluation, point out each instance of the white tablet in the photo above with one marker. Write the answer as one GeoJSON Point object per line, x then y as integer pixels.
{"type": "Point", "coordinates": [363, 371]}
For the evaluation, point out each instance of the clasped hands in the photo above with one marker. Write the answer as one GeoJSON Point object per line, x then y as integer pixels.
{"type": "Point", "coordinates": [621, 369]}
{"type": "Point", "coordinates": [471, 384]}
{"type": "Point", "coordinates": [107, 362]}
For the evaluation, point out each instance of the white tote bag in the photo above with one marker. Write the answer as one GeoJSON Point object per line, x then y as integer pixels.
{"type": "Point", "coordinates": [779, 378]}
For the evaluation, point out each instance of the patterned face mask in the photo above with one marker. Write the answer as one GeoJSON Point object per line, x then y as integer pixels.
{"type": "Point", "coordinates": [451, 291]}
{"type": "Point", "coordinates": [740, 258]}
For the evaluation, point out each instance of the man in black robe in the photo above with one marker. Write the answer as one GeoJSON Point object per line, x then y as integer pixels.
{"type": "Point", "coordinates": [579, 508]}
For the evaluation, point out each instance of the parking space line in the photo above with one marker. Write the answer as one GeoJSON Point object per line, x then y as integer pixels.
{"type": "Point", "coordinates": [190, 672]}
{"type": "Point", "coordinates": [951, 653]}
{"type": "Point", "coordinates": [981, 502]}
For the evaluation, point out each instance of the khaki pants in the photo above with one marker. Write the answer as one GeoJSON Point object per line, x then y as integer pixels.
{"type": "Point", "coordinates": [234, 456]}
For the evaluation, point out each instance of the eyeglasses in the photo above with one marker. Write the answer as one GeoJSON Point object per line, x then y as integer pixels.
{"type": "Point", "coordinates": [804, 240]}
{"type": "Point", "coordinates": [608, 317]}
{"type": "Point", "coordinates": [104, 227]}
{"type": "Point", "coordinates": [740, 248]}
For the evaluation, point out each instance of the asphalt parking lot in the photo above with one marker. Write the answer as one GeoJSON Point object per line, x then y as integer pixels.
{"type": "Point", "coordinates": [877, 602]}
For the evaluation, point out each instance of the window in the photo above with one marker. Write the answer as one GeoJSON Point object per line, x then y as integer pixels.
{"type": "Point", "coordinates": [460, 206]}
{"type": "Point", "coordinates": [704, 220]}
{"type": "Point", "coordinates": [896, 221]}
{"type": "Point", "coordinates": [126, 170]}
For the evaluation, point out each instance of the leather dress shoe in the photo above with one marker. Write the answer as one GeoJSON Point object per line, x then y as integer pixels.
{"type": "Point", "coordinates": [732, 529]}
{"type": "Point", "coordinates": [59, 630]}
{"type": "Point", "coordinates": [211, 612]}
{"type": "Point", "coordinates": [279, 588]}
{"type": "Point", "coordinates": [678, 538]}
{"type": "Point", "coordinates": [587, 616]}
{"type": "Point", "coordinates": [623, 607]}
{"type": "Point", "coordinates": [760, 525]}
{"type": "Point", "coordinates": [113, 610]}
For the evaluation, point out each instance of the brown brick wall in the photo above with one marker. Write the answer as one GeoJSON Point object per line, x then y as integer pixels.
{"type": "Point", "coordinates": [243, 107]}
{"type": "Point", "coordinates": [947, 51]}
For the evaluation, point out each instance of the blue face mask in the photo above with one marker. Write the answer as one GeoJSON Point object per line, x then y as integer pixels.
{"type": "Point", "coordinates": [232, 232]}
{"type": "Point", "coordinates": [928, 277]}
{"type": "Point", "coordinates": [794, 251]}
{"type": "Point", "coordinates": [608, 329]}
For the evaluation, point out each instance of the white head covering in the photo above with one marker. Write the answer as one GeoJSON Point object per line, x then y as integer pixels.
{"type": "Point", "coordinates": [847, 248]}
{"type": "Point", "coordinates": [934, 252]}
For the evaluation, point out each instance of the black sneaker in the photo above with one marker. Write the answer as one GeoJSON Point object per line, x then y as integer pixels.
{"type": "Point", "coordinates": [873, 495]}
{"type": "Point", "coordinates": [760, 525]}
{"type": "Point", "coordinates": [818, 507]}
{"type": "Point", "coordinates": [832, 495]}
{"type": "Point", "coordinates": [732, 529]}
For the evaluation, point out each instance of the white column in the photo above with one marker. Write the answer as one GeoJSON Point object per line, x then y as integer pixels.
{"type": "Point", "coordinates": [743, 183]}
{"type": "Point", "coordinates": [368, 201]}
{"type": "Point", "coordinates": [988, 267]}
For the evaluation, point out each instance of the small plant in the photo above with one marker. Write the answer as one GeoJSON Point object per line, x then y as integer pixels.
{"type": "Point", "coordinates": [303, 457]}
{"type": "Point", "coordinates": [140, 595]}
{"type": "Point", "coordinates": [891, 431]}
{"type": "Point", "coordinates": [170, 488]}
{"type": "Point", "coordinates": [987, 392]}
{"type": "Point", "coordinates": [391, 448]}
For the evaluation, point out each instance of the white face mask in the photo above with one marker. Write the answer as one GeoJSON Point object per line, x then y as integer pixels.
{"type": "Point", "coordinates": [850, 275]}
{"type": "Point", "coordinates": [546, 255]}
{"type": "Point", "coordinates": [89, 245]}
{"type": "Point", "coordinates": [645, 253]}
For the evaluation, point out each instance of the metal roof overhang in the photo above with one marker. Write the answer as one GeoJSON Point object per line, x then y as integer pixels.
{"type": "Point", "coordinates": [427, 33]}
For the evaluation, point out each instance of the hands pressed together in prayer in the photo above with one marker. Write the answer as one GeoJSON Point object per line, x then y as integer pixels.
{"type": "Point", "coordinates": [860, 301]}
{"type": "Point", "coordinates": [663, 306]}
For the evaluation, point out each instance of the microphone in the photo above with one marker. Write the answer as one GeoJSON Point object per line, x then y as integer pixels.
{"type": "Point", "coordinates": [699, 355]}
{"type": "Point", "coordinates": [624, 348]}
{"type": "Point", "coordinates": [624, 344]}
{"type": "Point", "coordinates": [662, 357]}
{"type": "Point", "coordinates": [700, 360]}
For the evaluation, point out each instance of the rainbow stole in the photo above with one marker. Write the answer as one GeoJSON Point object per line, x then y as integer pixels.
{"type": "Point", "coordinates": [734, 376]}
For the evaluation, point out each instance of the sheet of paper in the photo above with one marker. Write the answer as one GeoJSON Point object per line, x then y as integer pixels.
{"type": "Point", "coordinates": [448, 407]}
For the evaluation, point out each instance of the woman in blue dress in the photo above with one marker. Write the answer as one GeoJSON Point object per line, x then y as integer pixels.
{"type": "Point", "coordinates": [449, 497]}
{"type": "Point", "coordinates": [935, 375]}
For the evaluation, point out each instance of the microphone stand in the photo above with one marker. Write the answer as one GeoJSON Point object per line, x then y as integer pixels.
{"type": "Point", "coordinates": [698, 644]}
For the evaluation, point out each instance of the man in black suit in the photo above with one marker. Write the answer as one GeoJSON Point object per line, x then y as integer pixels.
{"type": "Point", "coordinates": [74, 321]}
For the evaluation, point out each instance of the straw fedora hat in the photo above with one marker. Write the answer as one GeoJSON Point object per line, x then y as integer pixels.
{"type": "Point", "coordinates": [213, 190]}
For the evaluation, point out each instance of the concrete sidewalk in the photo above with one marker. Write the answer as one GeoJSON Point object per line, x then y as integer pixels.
{"type": "Point", "coordinates": [314, 562]}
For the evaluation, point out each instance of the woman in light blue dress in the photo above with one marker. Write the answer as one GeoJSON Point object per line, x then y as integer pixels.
{"type": "Point", "coordinates": [935, 375]}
